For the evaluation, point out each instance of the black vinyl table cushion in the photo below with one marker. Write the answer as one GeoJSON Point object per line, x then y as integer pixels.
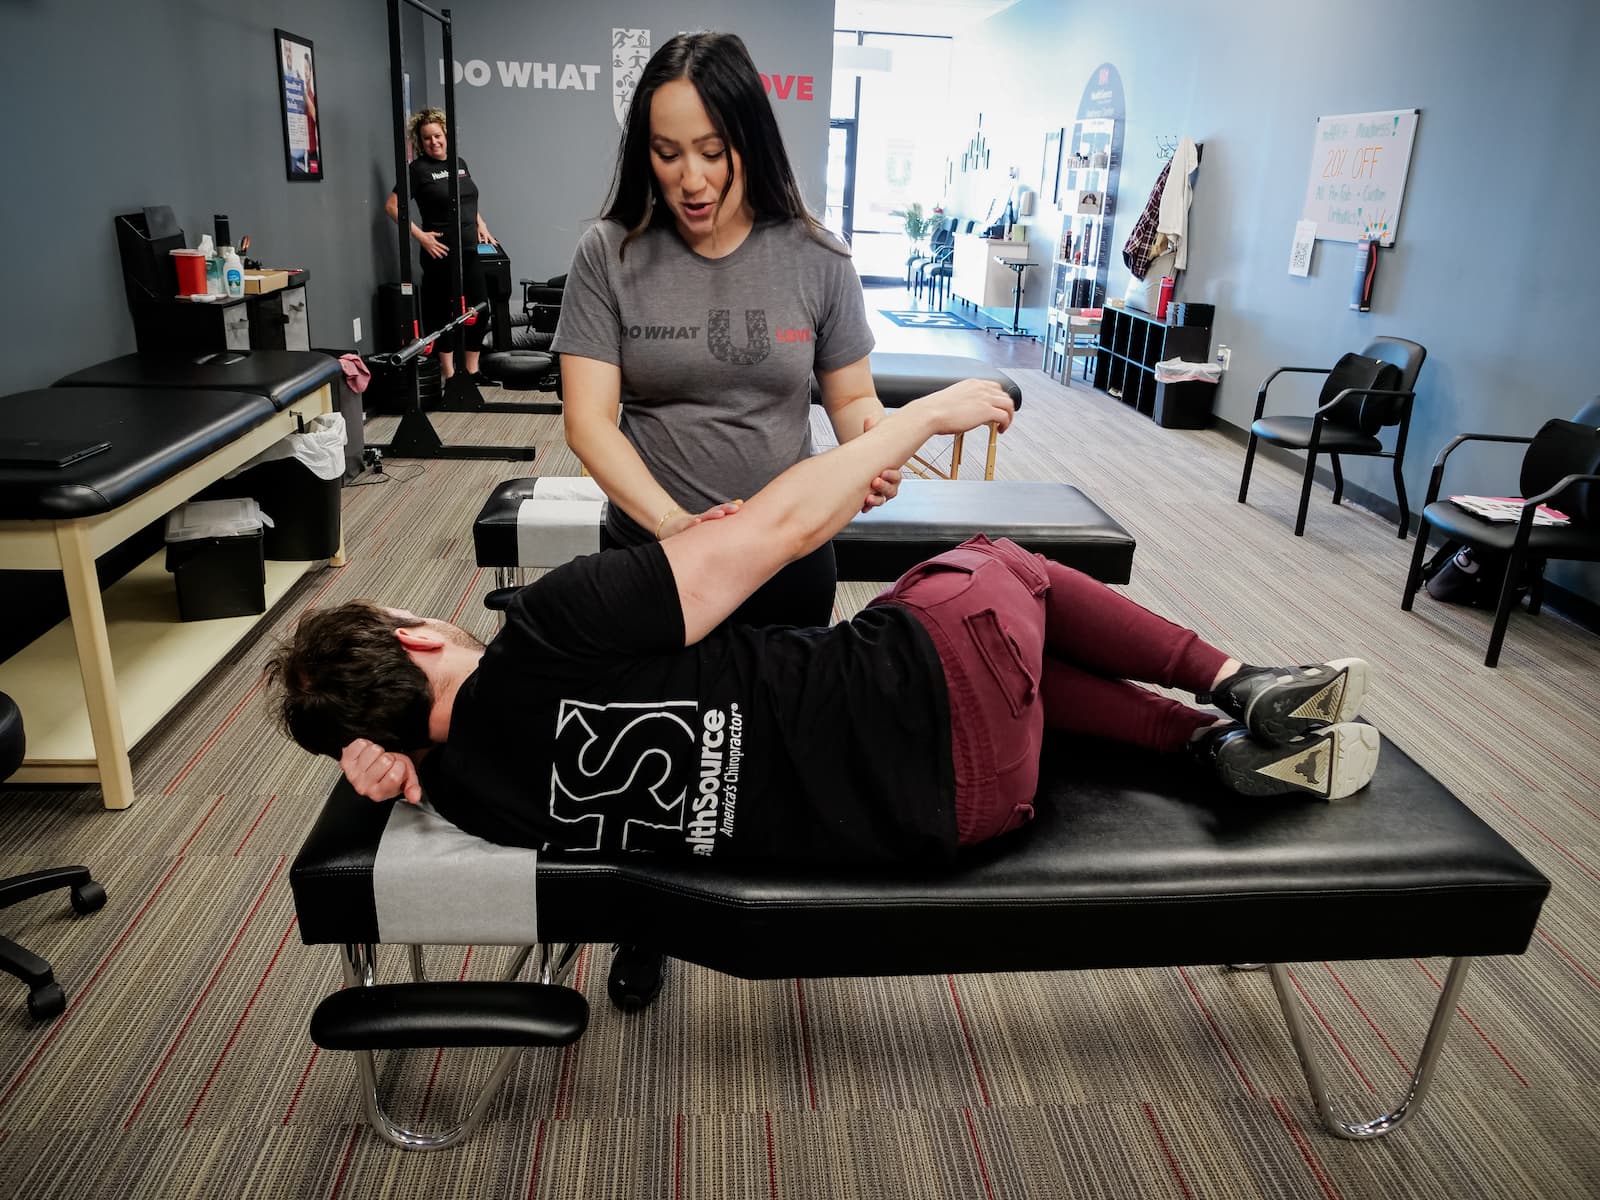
{"type": "Point", "coordinates": [926, 518]}
{"type": "Point", "coordinates": [282, 376]}
{"type": "Point", "coordinates": [153, 434]}
{"type": "Point", "coordinates": [1133, 860]}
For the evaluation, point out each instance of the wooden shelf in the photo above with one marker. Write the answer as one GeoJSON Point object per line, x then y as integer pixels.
{"type": "Point", "coordinates": [157, 659]}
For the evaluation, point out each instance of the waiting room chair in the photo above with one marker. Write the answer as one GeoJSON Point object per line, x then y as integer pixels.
{"type": "Point", "coordinates": [1363, 393]}
{"type": "Point", "coordinates": [1561, 468]}
{"type": "Point", "coordinates": [45, 997]}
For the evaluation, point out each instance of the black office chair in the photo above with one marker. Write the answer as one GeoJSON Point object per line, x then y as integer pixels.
{"type": "Point", "coordinates": [1363, 393]}
{"type": "Point", "coordinates": [933, 271]}
{"type": "Point", "coordinates": [1561, 469]}
{"type": "Point", "coordinates": [45, 997]}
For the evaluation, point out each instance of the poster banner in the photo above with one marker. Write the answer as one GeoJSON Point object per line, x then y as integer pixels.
{"type": "Point", "coordinates": [297, 93]}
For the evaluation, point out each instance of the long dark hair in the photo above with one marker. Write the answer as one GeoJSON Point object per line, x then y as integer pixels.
{"type": "Point", "coordinates": [723, 73]}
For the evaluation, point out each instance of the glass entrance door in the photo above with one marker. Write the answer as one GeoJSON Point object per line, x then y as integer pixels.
{"type": "Point", "coordinates": [839, 216]}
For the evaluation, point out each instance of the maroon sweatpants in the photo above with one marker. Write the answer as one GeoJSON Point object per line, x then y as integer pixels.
{"type": "Point", "coordinates": [1028, 644]}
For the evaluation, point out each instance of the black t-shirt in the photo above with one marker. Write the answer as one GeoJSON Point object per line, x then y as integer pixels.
{"type": "Point", "coordinates": [589, 725]}
{"type": "Point", "coordinates": [430, 192]}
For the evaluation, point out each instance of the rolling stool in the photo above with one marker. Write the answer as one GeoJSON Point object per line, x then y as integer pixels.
{"type": "Point", "coordinates": [45, 997]}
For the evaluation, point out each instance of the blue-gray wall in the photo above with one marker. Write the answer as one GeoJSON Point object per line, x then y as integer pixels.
{"type": "Point", "coordinates": [543, 154]}
{"type": "Point", "coordinates": [175, 102]}
{"type": "Point", "coordinates": [1495, 256]}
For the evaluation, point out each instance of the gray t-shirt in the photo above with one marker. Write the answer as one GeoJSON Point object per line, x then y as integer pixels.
{"type": "Point", "coordinates": [716, 354]}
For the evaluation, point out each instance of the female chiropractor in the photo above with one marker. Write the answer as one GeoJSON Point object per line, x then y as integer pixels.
{"type": "Point", "coordinates": [699, 307]}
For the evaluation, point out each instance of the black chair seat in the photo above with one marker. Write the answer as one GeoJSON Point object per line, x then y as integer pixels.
{"type": "Point", "coordinates": [1575, 542]}
{"type": "Point", "coordinates": [519, 370]}
{"type": "Point", "coordinates": [1296, 431]}
{"type": "Point", "coordinates": [282, 376]}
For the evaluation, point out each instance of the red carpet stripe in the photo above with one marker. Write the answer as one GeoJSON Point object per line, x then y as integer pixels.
{"type": "Point", "coordinates": [301, 1086]}
{"type": "Point", "coordinates": [215, 804]}
{"type": "Point", "coordinates": [239, 1024]}
{"type": "Point", "coordinates": [1323, 1021]}
{"type": "Point", "coordinates": [983, 1167]}
{"type": "Point", "coordinates": [194, 760]}
{"type": "Point", "coordinates": [972, 1049]}
{"type": "Point", "coordinates": [805, 1045]}
{"type": "Point", "coordinates": [1559, 950]}
{"type": "Point", "coordinates": [201, 999]}
{"type": "Point", "coordinates": [538, 1157]}
{"type": "Point", "coordinates": [569, 1052]}
{"type": "Point", "coordinates": [1161, 1140]}
{"type": "Point", "coordinates": [1216, 1031]}
{"type": "Point", "coordinates": [1371, 1024]}
{"type": "Point", "coordinates": [1554, 845]}
{"type": "Point", "coordinates": [251, 831]}
{"type": "Point", "coordinates": [467, 595]}
{"type": "Point", "coordinates": [1299, 1138]}
{"type": "Point", "coordinates": [1467, 1017]}
{"type": "Point", "coordinates": [344, 1162]}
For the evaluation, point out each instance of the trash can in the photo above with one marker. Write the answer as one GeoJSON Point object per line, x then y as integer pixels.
{"type": "Point", "coordinates": [1185, 393]}
{"type": "Point", "coordinates": [296, 481]}
{"type": "Point", "coordinates": [214, 551]}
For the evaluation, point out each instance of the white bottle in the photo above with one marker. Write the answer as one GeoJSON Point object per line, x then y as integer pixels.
{"type": "Point", "coordinates": [232, 271]}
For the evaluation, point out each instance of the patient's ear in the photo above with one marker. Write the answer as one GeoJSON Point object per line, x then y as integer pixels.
{"type": "Point", "coordinates": [419, 639]}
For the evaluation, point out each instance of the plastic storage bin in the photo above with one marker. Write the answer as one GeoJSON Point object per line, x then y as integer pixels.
{"type": "Point", "coordinates": [215, 556]}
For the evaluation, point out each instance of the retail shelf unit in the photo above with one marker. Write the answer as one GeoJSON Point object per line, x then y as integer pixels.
{"type": "Point", "coordinates": [1131, 344]}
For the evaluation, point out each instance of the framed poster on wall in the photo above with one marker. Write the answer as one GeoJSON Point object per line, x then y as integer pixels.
{"type": "Point", "coordinates": [297, 96]}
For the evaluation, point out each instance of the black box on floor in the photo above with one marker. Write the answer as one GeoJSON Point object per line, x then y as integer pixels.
{"type": "Point", "coordinates": [1184, 405]}
{"type": "Point", "coordinates": [214, 554]}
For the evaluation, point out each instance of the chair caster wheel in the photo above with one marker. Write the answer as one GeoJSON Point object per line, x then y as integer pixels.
{"type": "Point", "coordinates": [88, 897]}
{"type": "Point", "coordinates": [636, 977]}
{"type": "Point", "coordinates": [46, 1001]}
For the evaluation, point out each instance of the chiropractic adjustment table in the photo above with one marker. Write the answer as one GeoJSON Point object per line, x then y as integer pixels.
{"type": "Point", "coordinates": [1133, 861]}
{"type": "Point", "coordinates": [176, 423]}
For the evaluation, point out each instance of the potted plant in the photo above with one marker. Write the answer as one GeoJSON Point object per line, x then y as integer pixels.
{"type": "Point", "coordinates": [918, 226]}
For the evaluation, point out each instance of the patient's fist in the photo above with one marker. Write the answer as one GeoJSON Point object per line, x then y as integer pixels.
{"type": "Point", "coordinates": [380, 774]}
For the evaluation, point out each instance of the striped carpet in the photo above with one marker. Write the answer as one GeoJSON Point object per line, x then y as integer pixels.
{"type": "Point", "coordinates": [182, 1065]}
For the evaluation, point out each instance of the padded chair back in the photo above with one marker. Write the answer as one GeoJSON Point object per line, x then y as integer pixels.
{"type": "Point", "coordinates": [1589, 414]}
{"type": "Point", "coordinates": [1368, 414]}
{"type": "Point", "coordinates": [1559, 449]}
{"type": "Point", "coordinates": [1405, 355]}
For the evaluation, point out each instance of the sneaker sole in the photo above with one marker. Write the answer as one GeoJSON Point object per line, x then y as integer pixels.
{"type": "Point", "coordinates": [1332, 763]}
{"type": "Point", "coordinates": [1290, 710]}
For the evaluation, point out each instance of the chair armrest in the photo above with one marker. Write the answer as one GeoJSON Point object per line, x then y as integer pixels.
{"type": "Point", "coordinates": [1261, 393]}
{"type": "Point", "coordinates": [1436, 480]}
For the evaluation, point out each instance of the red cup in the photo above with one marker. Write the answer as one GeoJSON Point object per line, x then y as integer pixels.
{"type": "Point", "coordinates": [191, 272]}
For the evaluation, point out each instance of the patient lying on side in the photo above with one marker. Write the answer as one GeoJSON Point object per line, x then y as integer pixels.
{"type": "Point", "coordinates": [617, 711]}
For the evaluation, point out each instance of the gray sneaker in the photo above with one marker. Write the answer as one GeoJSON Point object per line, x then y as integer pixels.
{"type": "Point", "coordinates": [1331, 762]}
{"type": "Point", "coordinates": [1283, 704]}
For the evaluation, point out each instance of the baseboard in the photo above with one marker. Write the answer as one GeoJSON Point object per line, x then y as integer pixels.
{"type": "Point", "coordinates": [1576, 608]}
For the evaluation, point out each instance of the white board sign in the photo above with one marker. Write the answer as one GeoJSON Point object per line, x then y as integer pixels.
{"type": "Point", "coordinates": [1358, 174]}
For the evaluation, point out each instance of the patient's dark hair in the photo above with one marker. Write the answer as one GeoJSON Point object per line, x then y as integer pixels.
{"type": "Point", "coordinates": [345, 676]}
{"type": "Point", "coordinates": [723, 73]}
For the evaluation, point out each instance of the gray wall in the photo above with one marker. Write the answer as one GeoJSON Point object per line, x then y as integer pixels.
{"type": "Point", "coordinates": [176, 102]}
{"type": "Point", "coordinates": [544, 155]}
{"type": "Point", "coordinates": [1495, 253]}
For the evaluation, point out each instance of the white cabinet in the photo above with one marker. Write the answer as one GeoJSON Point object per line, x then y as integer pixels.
{"type": "Point", "coordinates": [975, 275]}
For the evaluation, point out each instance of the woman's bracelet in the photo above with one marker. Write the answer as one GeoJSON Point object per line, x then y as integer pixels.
{"type": "Point", "coordinates": [661, 524]}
